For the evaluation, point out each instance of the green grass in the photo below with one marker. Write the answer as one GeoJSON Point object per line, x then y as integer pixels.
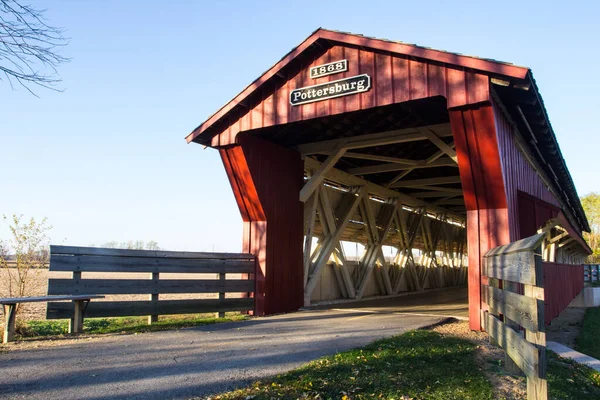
{"type": "Point", "coordinates": [568, 380]}
{"type": "Point", "coordinates": [417, 364]}
{"type": "Point", "coordinates": [588, 341]}
{"type": "Point", "coordinates": [37, 329]}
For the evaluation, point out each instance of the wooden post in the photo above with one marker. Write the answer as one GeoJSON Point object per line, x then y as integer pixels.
{"type": "Point", "coordinates": [9, 322]}
{"type": "Point", "coordinates": [537, 385]}
{"type": "Point", "coordinates": [73, 321]}
{"type": "Point", "coordinates": [519, 262]}
{"type": "Point", "coordinates": [155, 276]}
{"type": "Point", "coordinates": [77, 320]}
{"type": "Point", "coordinates": [221, 277]}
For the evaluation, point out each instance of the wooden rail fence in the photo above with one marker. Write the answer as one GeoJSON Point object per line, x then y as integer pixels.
{"type": "Point", "coordinates": [518, 262]}
{"type": "Point", "coordinates": [78, 260]}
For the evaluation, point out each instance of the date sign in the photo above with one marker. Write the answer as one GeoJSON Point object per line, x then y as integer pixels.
{"type": "Point", "coordinates": [329, 69]}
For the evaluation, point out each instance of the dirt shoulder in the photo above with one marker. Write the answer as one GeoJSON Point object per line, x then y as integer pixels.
{"type": "Point", "coordinates": [490, 360]}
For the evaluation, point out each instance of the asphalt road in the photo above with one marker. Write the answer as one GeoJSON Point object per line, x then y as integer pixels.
{"type": "Point", "coordinates": [194, 361]}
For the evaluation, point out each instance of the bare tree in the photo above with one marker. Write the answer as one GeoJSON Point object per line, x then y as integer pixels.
{"type": "Point", "coordinates": [27, 42]}
{"type": "Point", "coordinates": [28, 243]}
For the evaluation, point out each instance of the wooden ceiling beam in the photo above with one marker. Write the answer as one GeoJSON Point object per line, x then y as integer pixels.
{"type": "Point", "coordinates": [343, 178]}
{"type": "Point", "coordinates": [439, 189]}
{"type": "Point", "coordinates": [429, 160]}
{"type": "Point", "coordinates": [374, 157]}
{"type": "Point", "coordinates": [424, 195]}
{"type": "Point", "coordinates": [429, 181]}
{"type": "Point", "coordinates": [376, 139]}
{"type": "Point", "coordinates": [390, 167]}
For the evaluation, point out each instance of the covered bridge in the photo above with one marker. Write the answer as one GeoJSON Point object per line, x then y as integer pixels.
{"type": "Point", "coordinates": [426, 158]}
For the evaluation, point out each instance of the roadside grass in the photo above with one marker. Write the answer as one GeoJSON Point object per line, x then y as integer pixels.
{"type": "Point", "coordinates": [418, 364]}
{"type": "Point", "coordinates": [588, 342]}
{"type": "Point", "coordinates": [38, 329]}
{"type": "Point", "coordinates": [568, 380]}
{"type": "Point", "coordinates": [421, 365]}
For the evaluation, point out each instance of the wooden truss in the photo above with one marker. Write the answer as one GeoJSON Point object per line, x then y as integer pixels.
{"type": "Point", "coordinates": [559, 246]}
{"type": "Point", "coordinates": [340, 148]}
{"type": "Point", "coordinates": [430, 249]}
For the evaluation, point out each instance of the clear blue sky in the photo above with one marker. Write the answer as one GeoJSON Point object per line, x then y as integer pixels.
{"type": "Point", "coordinates": [106, 159]}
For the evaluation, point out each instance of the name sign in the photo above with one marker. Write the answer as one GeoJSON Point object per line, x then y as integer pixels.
{"type": "Point", "coordinates": [330, 90]}
{"type": "Point", "coordinates": [328, 69]}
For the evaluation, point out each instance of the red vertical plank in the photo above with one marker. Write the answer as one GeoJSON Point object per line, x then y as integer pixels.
{"type": "Point", "coordinates": [401, 79]}
{"type": "Point", "coordinates": [269, 111]}
{"type": "Point", "coordinates": [283, 103]}
{"type": "Point", "coordinates": [352, 102]}
{"type": "Point", "coordinates": [383, 79]}
{"type": "Point", "coordinates": [367, 66]}
{"type": "Point", "coordinates": [456, 90]}
{"type": "Point", "coordinates": [337, 105]}
{"type": "Point", "coordinates": [321, 107]}
{"type": "Point", "coordinates": [256, 116]}
{"type": "Point", "coordinates": [418, 80]}
{"type": "Point", "coordinates": [436, 80]}
{"type": "Point", "coordinates": [295, 111]}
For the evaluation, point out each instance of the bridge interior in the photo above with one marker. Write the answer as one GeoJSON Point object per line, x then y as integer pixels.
{"type": "Point", "coordinates": [385, 183]}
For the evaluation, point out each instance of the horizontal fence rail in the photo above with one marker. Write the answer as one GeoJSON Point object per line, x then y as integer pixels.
{"type": "Point", "coordinates": [78, 260]}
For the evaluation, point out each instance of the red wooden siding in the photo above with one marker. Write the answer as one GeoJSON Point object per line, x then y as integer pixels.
{"type": "Point", "coordinates": [394, 79]}
{"type": "Point", "coordinates": [562, 283]}
{"type": "Point", "coordinates": [533, 214]}
{"type": "Point", "coordinates": [519, 175]}
{"type": "Point", "coordinates": [266, 180]}
{"type": "Point", "coordinates": [483, 188]}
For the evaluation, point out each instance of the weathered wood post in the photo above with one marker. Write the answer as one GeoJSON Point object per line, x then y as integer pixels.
{"type": "Point", "coordinates": [155, 276]}
{"type": "Point", "coordinates": [519, 262]}
{"type": "Point", "coordinates": [221, 277]}
{"type": "Point", "coordinates": [73, 321]}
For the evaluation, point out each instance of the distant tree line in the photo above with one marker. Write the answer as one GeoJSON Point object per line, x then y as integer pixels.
{"type": "Point", "coordinates": [591, 205]}
{"type": "Point", "coordinates": [132, 245]}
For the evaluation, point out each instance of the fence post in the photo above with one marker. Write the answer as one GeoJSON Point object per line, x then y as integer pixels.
{"type": "Point", "coordinates": [221, 277]}
{"type": "Point", "coordinates": [537, 386]}
{"type": "Point", "coordinates": [155, 276]}
{"type": "Point", "coordinates": [73, 328]}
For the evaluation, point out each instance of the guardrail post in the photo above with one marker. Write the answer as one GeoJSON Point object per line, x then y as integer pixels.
{"type": "Point", "coordinates": [221, 277]}
{"type": "Point", "coordinates": [155, 276]}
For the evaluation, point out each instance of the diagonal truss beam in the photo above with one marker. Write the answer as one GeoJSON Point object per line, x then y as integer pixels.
{"type": "Point", "coordinates": [344, 212]}
{"type": "Point", "coordinates": [317, 178]}
{"type": "Point", "coordinates": [443, 146]}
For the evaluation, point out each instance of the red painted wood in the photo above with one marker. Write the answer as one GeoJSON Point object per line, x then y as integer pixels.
{"type": "Point", "coordinates": [394, 78]}
{"type": "Point", "coordinates": [519, 176]}
{"type": "Point", "coordinates": [266, 180]}
{"type": "Point", "coordinates": [456, 61]}
{"type": "Point", "coordinates": [481, 176]}
{"type": "Point", "coordinates": [562, 283]}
